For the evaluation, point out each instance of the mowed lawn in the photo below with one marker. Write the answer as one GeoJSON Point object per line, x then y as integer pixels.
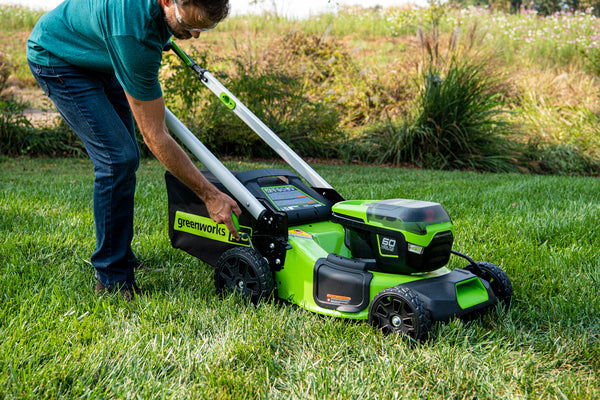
{"type": "Point", "coordinates": [58, 339]}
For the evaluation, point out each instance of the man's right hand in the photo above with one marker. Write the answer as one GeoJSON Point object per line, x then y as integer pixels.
{"type": "Point", "coordinates": [220, 207]}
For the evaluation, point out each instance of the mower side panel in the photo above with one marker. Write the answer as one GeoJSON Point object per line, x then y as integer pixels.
{"type": "Point", "coordinates": [296, 281]}
{"type": "Point", "coordinates": [192, 230]}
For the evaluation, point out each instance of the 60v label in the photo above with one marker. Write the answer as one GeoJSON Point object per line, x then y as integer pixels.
{"type": "Point", "coordinates": [387, 246]}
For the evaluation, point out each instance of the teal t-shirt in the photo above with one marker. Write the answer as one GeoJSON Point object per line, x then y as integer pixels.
{"type": "Point", "coordinates": [121, 36]}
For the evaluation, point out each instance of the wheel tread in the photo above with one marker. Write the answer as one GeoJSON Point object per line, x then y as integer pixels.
{"type": "Point", "coordinates": [264, 275]}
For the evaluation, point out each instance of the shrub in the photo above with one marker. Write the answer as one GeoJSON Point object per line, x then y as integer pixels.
{"type": "Point", "coordinates": [278, 101]}
{"type": "Point", "coordinates": [6, 69]}
{"type": "Point", "coordinates": [559, 159]}
{"type": "Point", "coordinates": [456, 123]}
{"type": "Point", "coordinates": [19, 137]}
{"type": "Point", "coordinates": [332, 76]}
{"type": "Point", "coordinates": [459, 121]}
{"type": "Point", "coordinates": [591, 57]}
{"type": "Point", "coordinates": [277, 96]}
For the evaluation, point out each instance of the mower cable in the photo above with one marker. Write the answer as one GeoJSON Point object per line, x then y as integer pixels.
{"type": "Point", "coordinates": [466, 257]}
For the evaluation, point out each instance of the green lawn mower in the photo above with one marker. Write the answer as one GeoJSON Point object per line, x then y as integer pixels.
{"type": "Point", "coordinates": [384, 261]}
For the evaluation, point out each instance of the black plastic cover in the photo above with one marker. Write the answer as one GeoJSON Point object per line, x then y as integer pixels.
{"type": "Point", "coordinates": [342, 287]}
{"type": "Point", "coordinates": [439, 294]}
{"type": "Point", "coordinates": [181, 198]}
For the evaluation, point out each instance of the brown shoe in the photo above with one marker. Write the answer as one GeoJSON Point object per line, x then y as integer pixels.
{"type": "Point", "coordinates": [126, 293]}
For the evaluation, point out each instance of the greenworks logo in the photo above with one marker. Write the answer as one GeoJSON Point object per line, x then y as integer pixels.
{"type": "Point", "coordinates": [206, 227]}
{"type": "Point", "coordinates": [184, 224]}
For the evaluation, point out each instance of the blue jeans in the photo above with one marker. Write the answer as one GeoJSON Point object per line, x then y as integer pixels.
{"type": "Point", "coordinates": [94, 105]}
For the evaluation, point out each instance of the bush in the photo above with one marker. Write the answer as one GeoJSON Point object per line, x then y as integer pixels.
{"type": "Point", "coordinates": [559, 159]}
{"type": "Point", "coordinates": [6, 69]}
{"type": "Point", "coordinates": [274, 94]}
{"type": "Point", "coordinates": [591, 57]}
{"type": "Point", "coordinates": [459, 121]}
{"type": "Point", "coordinates": [18, 137]}
{"type": "Point", "coordinates": [456, 123]}
{"type": "Point", "coordinates": [332, 76]}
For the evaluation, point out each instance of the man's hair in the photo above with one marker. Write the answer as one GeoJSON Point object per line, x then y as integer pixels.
{"type": "Point", "coordinates": [216, 10]}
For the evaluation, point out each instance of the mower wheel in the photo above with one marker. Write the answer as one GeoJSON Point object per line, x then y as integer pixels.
{"type": "Point", "coordinates": [400, 310]}
{"type": "Point", "coordinates": [497, 278]}
{"type": "Point", "coordinates": [245, 272]}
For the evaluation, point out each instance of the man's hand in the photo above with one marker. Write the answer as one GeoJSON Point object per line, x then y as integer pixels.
{"type": "Point", "coordinates": [220, 207]}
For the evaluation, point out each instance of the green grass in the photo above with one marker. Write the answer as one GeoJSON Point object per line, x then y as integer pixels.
{"type": "Point", "coordinates": [59, 340]}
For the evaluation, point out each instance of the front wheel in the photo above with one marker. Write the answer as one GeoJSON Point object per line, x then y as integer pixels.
{"type": "Point", "coordinates": [400, 310]}
{"type": "Point", "coordinates": [245, 272]}
{"type": "Point", "coordinates": [497, 278]}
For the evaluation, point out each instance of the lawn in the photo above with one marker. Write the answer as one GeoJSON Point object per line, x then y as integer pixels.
{"type": "Point", "coordinates": [59, 340]}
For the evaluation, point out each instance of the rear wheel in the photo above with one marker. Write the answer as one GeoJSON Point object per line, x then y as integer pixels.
{"type": "Point", "coordinates": [400, 310]}
{"type": "Point", "coordinates": [245, 272]}
{"type": "Point", "coordinates": [497, 278]}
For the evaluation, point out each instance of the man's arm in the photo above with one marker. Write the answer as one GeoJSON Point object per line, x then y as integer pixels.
{"type": "Point", "coordinates": [150, 117]}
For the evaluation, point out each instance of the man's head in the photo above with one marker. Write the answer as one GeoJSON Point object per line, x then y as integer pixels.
{"type": "Point", "coordinates": [187, 18]}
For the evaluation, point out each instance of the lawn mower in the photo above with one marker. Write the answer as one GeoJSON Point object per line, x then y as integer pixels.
{"type": "Point", "coordinates": [384, 261]}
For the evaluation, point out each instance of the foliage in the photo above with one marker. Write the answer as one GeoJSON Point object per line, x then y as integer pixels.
{"type": "Point", "coordinates": [6, 68]}
{"type": "Point", "coordinates": [556, 40]}
{"type": "Point", "coordinates": [544, 7]}
{"type": "Point", "coordinates": [457, 119]}
{"type": "Point", "coordinates": [457, 123]}
{"type": "Point", "coordinates": [15, 17]}
{"type": "Point", "coordinates": [559, 159]}
{"type": "Point", "coordinates": [330, 76]}
{"type": "Point", "coordinates": [275, 94]}
{"type": "Point", "coordinates": [184, 93]}
{"type": "Point", "coordinates": [19, 137]}
{"type": "Point", "coordinates": [592, 59]}
{"type": "Point", "coordinates": [341, 85]}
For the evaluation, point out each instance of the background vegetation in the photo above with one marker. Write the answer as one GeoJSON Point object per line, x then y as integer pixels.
{"type": "Point", "coordinates": [441, 87]}
{"type": "Point", "coordinates": [180, 341]}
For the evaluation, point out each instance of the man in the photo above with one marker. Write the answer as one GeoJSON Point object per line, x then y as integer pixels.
{"type": "Point", "coordinates": [98, 61]}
